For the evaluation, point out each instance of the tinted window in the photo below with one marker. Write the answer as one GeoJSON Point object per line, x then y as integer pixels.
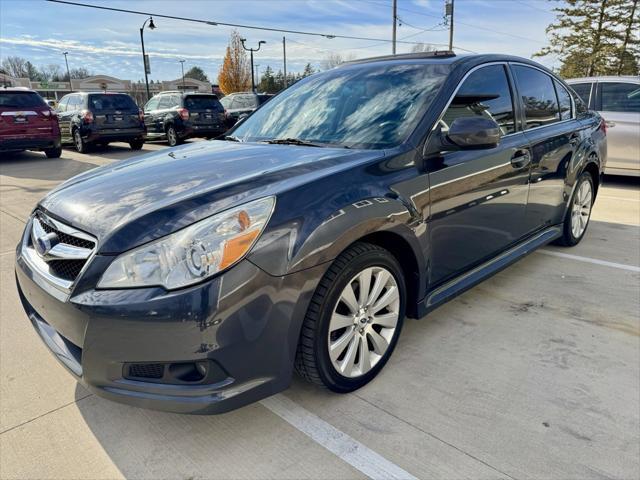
{"type": "Point", "coordinates": [362, 106]}
{"type": "Point", "coordinates": [74, 103]}
{"type": "Point", "coordinates": [152, 104]}
{"type": "Point", "coordinates": [582, 89]}
{"type": "Point", "coordinates": [20, 100]}
{"type": "Point", "coordinates": [620, 97]}
{"type": "Point", "coordinates": [538, 96]}
{"type": "Point", "coordinates": [484, 93]}
{"type": "Point", "coordinates": [62, 106]}
{"type": "Point", "coordinates": [564, 100]}
{"type": "Point", "coordinates": [263, 98]}
{"type": "Point", "coordinates": [202, 102]}
{"type": "Point", "coordinates": [226, 101]}
{"type": "Point", "coordinates": [109, 101]}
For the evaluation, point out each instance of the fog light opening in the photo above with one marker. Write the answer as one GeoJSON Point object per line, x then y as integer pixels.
{"type": "Point", "coordinates": [189, 372]}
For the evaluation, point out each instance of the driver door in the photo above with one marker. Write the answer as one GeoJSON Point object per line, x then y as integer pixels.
{"type": "Point", "coordinates": [478, 197]}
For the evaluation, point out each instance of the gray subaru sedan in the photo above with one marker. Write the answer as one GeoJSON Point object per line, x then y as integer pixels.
{"type": "Point", "coordinates": [197, 279]}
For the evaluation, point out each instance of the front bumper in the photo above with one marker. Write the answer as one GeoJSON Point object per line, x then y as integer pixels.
{"type": "Point", "coordinates": [244, 320]}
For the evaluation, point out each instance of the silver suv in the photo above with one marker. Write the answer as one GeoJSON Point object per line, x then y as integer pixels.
{"type": "Point", "coordinates": [617, 99]}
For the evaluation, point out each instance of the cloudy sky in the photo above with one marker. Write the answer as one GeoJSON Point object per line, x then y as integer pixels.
{"type": "Point", "coordinates": [109, 42]}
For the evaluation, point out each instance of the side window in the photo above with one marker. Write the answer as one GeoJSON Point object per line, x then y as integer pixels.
{"type": "Point", "coordinates": [583, 90]}
{"type": "Point", "coordinates": [152, 104]}
{"type": "Point", "coordinates": [538, 96]}
{"type": "Point", "coordinates": [62, 106]}
{"type": "Point", "coordinates": [620, 97]}
{"type": "Point", "coordinates": [226, 102]}
{"type": "Point", "coordinates": [176, 100]}
{"type": "Point", "coordinates": [484, 93]}
{"type": "Point", "coordinates": [165, 102]}
{"type": "Point", "coordinates": [564, 100]}
{"type": "Point", "coordinates": [74, 103]}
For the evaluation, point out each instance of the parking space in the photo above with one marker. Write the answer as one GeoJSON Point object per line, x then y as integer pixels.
{"type": "Point", "coordinates": [535, 373]}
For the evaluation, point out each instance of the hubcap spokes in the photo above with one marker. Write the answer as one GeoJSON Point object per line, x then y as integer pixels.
{"type": "Point", "coordinates": [363, 321]}
{"type": "Point", "coordinates": [581, 209]}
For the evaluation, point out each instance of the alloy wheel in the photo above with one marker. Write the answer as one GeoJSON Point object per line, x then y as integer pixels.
{"type": "Point", "coordinates": [581, 209]}
{"type": "Point", "coordinates": [172, 137]}
{"type": "Point", "coordinates": [363, 321]}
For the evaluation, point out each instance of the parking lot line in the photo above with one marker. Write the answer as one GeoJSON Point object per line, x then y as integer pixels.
{"type": "Point", "coordinates": [339, 443]}
{"type": "Point", "coordinates": [621, 266]}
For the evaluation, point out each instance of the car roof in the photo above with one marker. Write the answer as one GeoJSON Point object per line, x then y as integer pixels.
{"type": "Point", "coordinates": [445, 58]}
{"type": "Point", "coordinates": [606, 78]}
{"type": "Point", "coordinates": [16, 89]}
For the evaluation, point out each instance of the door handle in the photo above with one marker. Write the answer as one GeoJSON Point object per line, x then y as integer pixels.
{"type": "Point", "coordinates": [520, 159]}
{"type": "Point", "coordinates": [574, 139]}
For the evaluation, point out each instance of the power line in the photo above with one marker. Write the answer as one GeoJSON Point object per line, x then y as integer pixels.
{"type": "Point", "coordinates": [236, 25]}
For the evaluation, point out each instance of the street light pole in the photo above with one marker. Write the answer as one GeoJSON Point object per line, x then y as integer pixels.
{"type": "Point", "coordinates": [394, 9]}
{"type": "Point", "coordinates": [253, 80]}
{"type": "Point", "coordinates": [68, 74]}
{"type": "Point", "coordinates": [182, 65]}
{"type": "Point", "coordinates": [144, 56]}
{"type": "Point", "coordinates": [449, 12]}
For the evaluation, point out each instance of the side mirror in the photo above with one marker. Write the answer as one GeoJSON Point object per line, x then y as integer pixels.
{"type": "Point", "coordinates": [468, 133]}
{"type": "Point", "coordinates": [241, 118]}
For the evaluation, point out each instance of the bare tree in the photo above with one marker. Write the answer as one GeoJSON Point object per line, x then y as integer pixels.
{"type": "Point", "coordinates": [332, 60]}
{"type": "Point", "coordinates": [15, 66]}
{"type": "Point", "coordinates": [422, 47]}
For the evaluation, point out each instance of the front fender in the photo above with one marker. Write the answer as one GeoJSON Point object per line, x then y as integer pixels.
{"type": "Point", "coordinates": [281, 251]}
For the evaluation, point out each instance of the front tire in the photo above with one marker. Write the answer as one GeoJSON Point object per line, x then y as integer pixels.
{"type": "Point", "coordinates": [579, 212]}
{"type": "Point", "coordinates": [354, 319]}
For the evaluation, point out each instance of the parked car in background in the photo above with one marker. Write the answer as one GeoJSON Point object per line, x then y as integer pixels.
{"type": "Point", "coordinates": [88, 118]}
{"type": "Point", "coordinates": [176, 116]}
{"type": "Point", "coordinates": [28, 123]}
{"type": "Point", "coordinates": [198, 282]}
{"type": "Point", "coordinates": [51, 102]}
{"type": "Point", "coordinates": [617, 99]}
{"type": "Point", "coordinates": [242, 104]}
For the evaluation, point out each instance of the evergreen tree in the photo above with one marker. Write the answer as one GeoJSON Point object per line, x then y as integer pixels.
{"type": "Point", "coordinates": [589, 36]}
{"type": "Point", "coordinates": [267, 82]}
{"type": "Point", "coordinates": [308, 70]}
{"type": "Point", "coordinates": [196, 73]}
{"type": "Point", "coordinates": [629, 52]}
{"type": "Point", "coordinates": [279, 81]}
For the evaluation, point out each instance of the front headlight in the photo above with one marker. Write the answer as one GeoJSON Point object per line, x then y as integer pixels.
{"type": "Point", "coordinates": [193, 253]}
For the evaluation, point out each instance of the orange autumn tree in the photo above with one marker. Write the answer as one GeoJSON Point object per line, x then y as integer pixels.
{"type": "Point", "coordinates": [235, 73]}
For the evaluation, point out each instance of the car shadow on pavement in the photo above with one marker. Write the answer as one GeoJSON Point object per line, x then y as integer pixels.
{"type": "Point", "coordinates": [31, 165]}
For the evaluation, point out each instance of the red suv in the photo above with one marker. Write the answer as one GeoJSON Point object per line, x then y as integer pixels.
{"type": "Point", "coordinates": [28, 123]}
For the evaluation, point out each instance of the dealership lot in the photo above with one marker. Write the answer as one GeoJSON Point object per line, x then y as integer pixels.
{"type": "Point", "coordinates": [533, 374]}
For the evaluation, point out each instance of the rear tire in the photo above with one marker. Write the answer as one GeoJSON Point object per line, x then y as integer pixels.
{"type": "Point", "coordinates": [172, 136]}
{"type": "Point", "coordinates": [136, 144]}
{"type": "Point", "coordinates": [347, 336]}
{"type": "Point", "coordinates": [81, 145]}
{"type": "Point", "coordinates": [578, 214]}
{"type": "Point", "coordinates": [54, 152]}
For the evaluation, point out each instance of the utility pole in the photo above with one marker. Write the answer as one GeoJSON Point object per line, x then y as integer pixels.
{"type": "Point", "coordinates": [449, 12]}
{"type": "Point", "coordinates": [395, 17]}
{"type": "Point", "coordinates": [182, 65]}
{"type": "Point", "coordinates": [68, 74]}
{"type": "Point", "coordinates": [253, 80]}
{"type": "Point", "coordinates": [284, 57]}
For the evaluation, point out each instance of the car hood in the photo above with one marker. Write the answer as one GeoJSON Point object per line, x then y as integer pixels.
{"type": "Point", "coordinates": [134, 201]}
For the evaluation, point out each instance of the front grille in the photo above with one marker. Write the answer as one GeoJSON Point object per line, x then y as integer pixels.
{"type": "Point", "coordinates": [68, 239]}
{"type": "Point", "coordinates": [66, 269]}
{"type": "Point", "coordinates": [63, 251]}
{"type": "Point", "coordinates": [146, 370]}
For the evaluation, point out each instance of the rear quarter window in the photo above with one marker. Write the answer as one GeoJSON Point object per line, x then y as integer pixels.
{"type": "Point", "coordinates": [620, 97]}
{"type": "Point", "coordinates": [21, 100]}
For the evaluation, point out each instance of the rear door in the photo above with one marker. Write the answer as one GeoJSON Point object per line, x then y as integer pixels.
{"type": "Point", "coordinates": [554, 134]}
{"type": "Point", "coordinates": [205, 111]}
{"type": "Point", "coordinates": [23, 114]}
{"type": "Point", "coordinates": [114, 111]}
{"type": "Point", "coordinates": [619, 105]}
{"type": "Point", "coordinates": [478, 197]}
{"type": "Point", "coordinates": [151, 116]}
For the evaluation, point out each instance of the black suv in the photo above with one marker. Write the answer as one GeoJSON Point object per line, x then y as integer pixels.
{"type": "Point", "coordinates": [88, 118]}
{"type": "Point", "coordinates": [238, 105]}
{"type": "Point", "coordinates": [199, 279]}
{"type": "Point", "coordinates": [177, 116]}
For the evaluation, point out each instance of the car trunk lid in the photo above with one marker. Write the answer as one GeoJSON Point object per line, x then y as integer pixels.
{"type": "Point", "coordinates": [114, 111]}
{"type": "Point", "coordinates": [24, 113]}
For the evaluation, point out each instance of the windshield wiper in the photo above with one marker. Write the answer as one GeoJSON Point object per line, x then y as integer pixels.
{"type": "Point", "coordinates": [292, 141]}
{"type": "Point", "coordinates": [231, 138]}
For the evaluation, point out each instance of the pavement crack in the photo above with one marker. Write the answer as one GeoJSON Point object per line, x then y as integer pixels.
{"type": "Point", "coordinates": [46, 413]}
{"type": "Point", "coordinates": [435, 437]}
{"type": "Point", "coordinates": [21, 220]}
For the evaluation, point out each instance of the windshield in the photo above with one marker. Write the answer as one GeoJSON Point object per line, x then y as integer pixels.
{"type": "Point", "coordinates": [362, 106]}
{"type": "Point", "coordinates": [109, 101]}
{"type": "Point", "coordinates": [20, 100]}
